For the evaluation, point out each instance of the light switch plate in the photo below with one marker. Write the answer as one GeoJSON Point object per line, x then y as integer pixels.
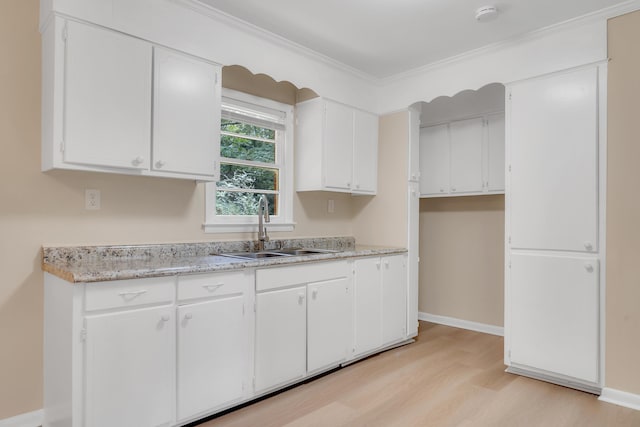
{"type": "Point", "coordinates": [92, 200]}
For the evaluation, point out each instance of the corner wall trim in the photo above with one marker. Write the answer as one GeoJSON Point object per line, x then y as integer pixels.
{"type": "Point", "coordinates": [30, 419]}
{"type": "Point", "coordinates": [463, 324]}
{"type": "Point", "coordinates": [620, 398]}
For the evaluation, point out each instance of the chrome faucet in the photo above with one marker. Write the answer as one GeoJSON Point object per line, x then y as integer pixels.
{"type": "Point", "coordinates": [263, 212]}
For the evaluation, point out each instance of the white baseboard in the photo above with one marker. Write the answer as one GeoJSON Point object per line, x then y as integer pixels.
{"type": "Point", "coordinates": [463, 324]}
{"type": "Point", "coordinates": [30, 419]}
{"type": "Point", "coordinates": [620, 398]}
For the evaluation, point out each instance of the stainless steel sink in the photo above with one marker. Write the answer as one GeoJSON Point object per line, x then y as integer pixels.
{"type": "Point", "coordinates": [286, 252]}
{"type": "Point", "coordinates": [255, 255]}
{"type": "Point", "coordinates": [304, 251]}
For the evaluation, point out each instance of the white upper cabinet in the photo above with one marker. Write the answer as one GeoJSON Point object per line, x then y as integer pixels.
{"type": "Point", "coordinates": [186, 114]}
{"type": "Point", "coordinates": [107, 98]}
{"type": "Point", "coordinates": [463, 157]}
{"type": "Point", "coordinates": [466, 155]}
{"type": "Point", "coordinates": [554, 162]}
{"type": "Point", "coordinates": [434, 160]}
{"type": "Point", "coordinates": [336, 148]}
{"type": "Point", "coordinates": [495, 153]}
{"type": "Point", "coordinates": [115, 103]}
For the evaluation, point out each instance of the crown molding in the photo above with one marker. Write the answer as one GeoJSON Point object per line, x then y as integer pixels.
{"type": "Point", "coordinates": [600, 15]}
{"type": "Point", "coordinates": [225, 18]}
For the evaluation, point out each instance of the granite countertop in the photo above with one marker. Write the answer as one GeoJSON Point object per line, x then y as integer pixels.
{"type": "Point", "coordinates": [83, 264]}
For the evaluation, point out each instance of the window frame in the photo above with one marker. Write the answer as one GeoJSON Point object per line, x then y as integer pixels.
{"type": "Point", "coordinates": [284, 159]}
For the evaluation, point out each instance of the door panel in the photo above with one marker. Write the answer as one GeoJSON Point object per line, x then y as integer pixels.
{"type": "Point", "coordinates": [554, 314]}
{"type": "Point", "coordinates": [466, 155]}
{"type": "Point", "coordinates": [434, 160]}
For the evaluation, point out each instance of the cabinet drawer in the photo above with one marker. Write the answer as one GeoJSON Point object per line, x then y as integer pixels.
{"type": "Point", "coordinates": [129, 293]}
{"type": "Point", "coordinates": [214, 285]}
{"type": "Point", "coordinates": [281, 277]}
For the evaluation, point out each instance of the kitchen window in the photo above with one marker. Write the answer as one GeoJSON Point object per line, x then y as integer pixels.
{"type": "Point", "coordinates": [256, 138]}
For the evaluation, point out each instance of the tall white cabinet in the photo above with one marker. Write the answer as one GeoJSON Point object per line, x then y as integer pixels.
{"type": "Point", "coordinates": [554, 226]}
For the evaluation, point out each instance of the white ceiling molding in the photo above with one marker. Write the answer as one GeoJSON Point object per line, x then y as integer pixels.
{"type": "Point", "coordinates": [601, 15]}
{"type": "Point", "coordinates": [247, 27]}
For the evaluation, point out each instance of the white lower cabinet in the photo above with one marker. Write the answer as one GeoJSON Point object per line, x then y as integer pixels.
{"type": "Point", "coordinates": [328, 322]}
{"type": "Point", "coordinates": [166, 351]}
{"type": "Point", "coordinates": [302, 321]}
{"type": "Point", "coordinates": [554, 314]}
{"type": "Point", "coordinates": [281, 337]}
{"type": "Point", "coordinates": [213, 344]}
{"type": "Point", "coordinates": [380, 302]}
{"type": "Point", "coordinates": [130, 368]}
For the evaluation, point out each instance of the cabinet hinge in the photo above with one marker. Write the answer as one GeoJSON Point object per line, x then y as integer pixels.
{"type": "Point", "coordinates": [62, 147]}
{"type": "Point", "coordinates": [254, 383]}
{"type": "Point", "coordinates": [243, 310]}
{"type": "Point", "coordinates": [509, 168]}
{"type": "Point", "coordinates": [509, 96]}
{"type": "Point", "coordinates": [64, 33]}
{"type": "Point", "coordinates": [509, 239]}
{"type": "Point", "coordinates": [509, 264]}
{"type": "Point", "coordinates": [83, 335]}
{"type": "Point", "coordinates": [254, 307]}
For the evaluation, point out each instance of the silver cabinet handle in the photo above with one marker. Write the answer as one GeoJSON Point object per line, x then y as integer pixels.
{"type": "Point", "coordinates": [213, 288]}
{"type": "Point", "coordinates": [132, 295]}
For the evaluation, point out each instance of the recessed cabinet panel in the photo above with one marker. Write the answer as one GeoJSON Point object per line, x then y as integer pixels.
{"type": "Point", "coordinates": [281, 337]}
{"type": "Point", "coordinates": [367, 305]}
{"type": "Point", "coordinates": [495, 153]}
{"type": "Point", "coordinates": [394, 298]}
{"type": "Point", "coordinates": [466, 155]}
{"type": "Point", "coordinates": [434, 160]}
{"type": "Point", "coordinates": [130, 368]}
{"type": "Point", "coordinates": [338, 145]}
{"type": "Point", "coordinates": [186, 136]}
{"type": "Point", "coordinates": [554, 162]}
{"type": "Point", "coordinates": [554, 314]}
{"type": "Point", "coordinates": [365, 152]}
{"type": "Point", "coordinates": [212, 354]}
{"type": "Point", "coordinates": [328, 317]}
{"type": "Point", "coordinates": [107, 98]}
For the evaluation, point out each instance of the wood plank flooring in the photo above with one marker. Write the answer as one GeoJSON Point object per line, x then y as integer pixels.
{"type": "Point", "coordinates": [448, 377]}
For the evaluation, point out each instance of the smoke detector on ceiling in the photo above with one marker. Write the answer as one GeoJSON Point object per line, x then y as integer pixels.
{"type": "Point", "coordinates": [486, 13]}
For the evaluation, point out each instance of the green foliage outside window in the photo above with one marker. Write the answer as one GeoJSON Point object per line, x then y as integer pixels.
{"type": "Point", "coordinates": [246, 142]}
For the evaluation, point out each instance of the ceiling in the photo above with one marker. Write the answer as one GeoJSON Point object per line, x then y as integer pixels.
{"type": "Point", "coordinates": [382, 38]}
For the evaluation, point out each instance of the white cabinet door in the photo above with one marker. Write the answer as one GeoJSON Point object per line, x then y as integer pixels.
{"type": "Point", "coordinates": [554, 162]}
{"type": "Point", "coordinates": [329, 323]}
{"type": "Point", "coordinates": [130, 368]}
{"type": "Point", "coordinates": [495, 146]}
{"type": "Point", "coordinates": [365, 153]}
{"type": "Point", "coordinates": [434, 160]}
{"type": "Point", "coordinates": [554, 314]}
{"type": "Point", "coordinates": [281, 337]}
{"type": "Point", "coordinates": [107, 98]}
{"type": "Point", "coordinates": [466, 155]}
{"type": "Point", "coordinates": [367, 296]}
{"type": "Point", "coordinates": [338, 146]}
{"type": "Point", "coordinates": [186, 125]}
{"type": "Point", "coordinates": [394, 298]}
{"type": "Point", "coordinates": [212, 354]}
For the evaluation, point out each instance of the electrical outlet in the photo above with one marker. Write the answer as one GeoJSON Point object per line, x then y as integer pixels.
{"type": "Point", "coordinates": [331, 206]}
{"type": "Point", "coordinates": [92, 200]}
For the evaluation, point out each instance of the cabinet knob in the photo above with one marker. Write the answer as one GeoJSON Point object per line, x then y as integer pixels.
{"type": "Point", "coordinates": [348, 185]}
{"type": "Point", "coordinates": [188, 316]}
{"type": "Point", "coordinates": [165, 317]}
{"type": "Point", "coordinates": [137, 161]}
{"type": "Point", "coordinates": [314, 294]}
{"type": "Point", "coordinates": [300, 299]}
{"type": "Point", "coordinates": [589, 268]}
{"type": "Point", "coordinates": [442, 190]}
{"type": "Point", "coordinates": [386, 264]}
{"type": "Point", "coordinates": [453, 188]}
{"type": "Point", "coordinates": [160, 164]}
{"type": "Point", "coordinates": [588, 246]}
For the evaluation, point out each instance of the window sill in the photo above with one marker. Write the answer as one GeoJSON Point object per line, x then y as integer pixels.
{"type": "Point", "coordinates": [246, 228]}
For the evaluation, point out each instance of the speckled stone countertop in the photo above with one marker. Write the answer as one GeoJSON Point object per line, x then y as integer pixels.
{"type": "Point", "coordinates": [83, 264]}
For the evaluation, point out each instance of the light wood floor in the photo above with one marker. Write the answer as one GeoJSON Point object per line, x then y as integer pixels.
{"type": "Point", "coordinates": [449, 377]}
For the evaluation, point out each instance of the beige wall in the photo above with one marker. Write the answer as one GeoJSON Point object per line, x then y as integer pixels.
{"type": "Point", "coordinates": [623, 206]}
{"type": "Point", "coordinates": [462, 258]}
{"type": "Point", "coordinates": [382, 220]}
{"type": "Point", "coordinates": [48, 208]}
